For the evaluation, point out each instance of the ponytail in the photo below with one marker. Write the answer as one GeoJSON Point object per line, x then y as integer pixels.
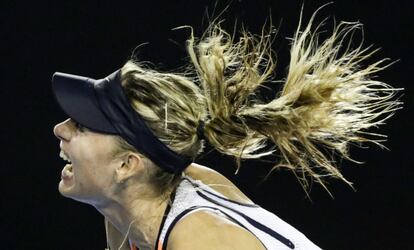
{"type": "Point", "coordinates": [328, 101]}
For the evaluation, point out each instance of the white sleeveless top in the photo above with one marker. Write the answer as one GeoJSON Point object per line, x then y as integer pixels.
{"type": "Point", "coordinates": [193, 195]}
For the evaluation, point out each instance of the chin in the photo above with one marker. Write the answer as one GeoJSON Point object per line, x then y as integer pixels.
{"type": "Point", "coordinates": [69, 191]}
{"type": "Point", "coordinates": [65, 190]}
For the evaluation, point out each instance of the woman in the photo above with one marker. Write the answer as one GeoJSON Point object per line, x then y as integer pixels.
{"type": "Point", "coordinates": [132, 137]}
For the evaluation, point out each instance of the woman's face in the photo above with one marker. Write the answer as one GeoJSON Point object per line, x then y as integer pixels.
{"type": "Point", "coordinates": [90, 175]}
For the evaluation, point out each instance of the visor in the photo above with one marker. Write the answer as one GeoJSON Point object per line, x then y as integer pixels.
{"type": "Point", "coordinates": [76, 96]}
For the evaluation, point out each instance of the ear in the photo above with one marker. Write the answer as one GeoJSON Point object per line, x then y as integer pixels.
{"type": "Point", "coordinates": [128, 167]}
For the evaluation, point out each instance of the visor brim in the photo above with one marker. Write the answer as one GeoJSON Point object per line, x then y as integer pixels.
{"type": "Point", "coordinates": [76, 96]}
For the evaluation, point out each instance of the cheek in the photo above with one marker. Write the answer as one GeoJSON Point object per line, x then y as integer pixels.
{"type": "Point", "coordinates": [89, 155]}
{"type": "Point", "coordinates": [93, 163]}
{"type": "Point", "coordinates": [86, 165]}
{"type": "Point", "coordinates": [94, 171]}
{"type": "Point", "coordinates": [91, 181]}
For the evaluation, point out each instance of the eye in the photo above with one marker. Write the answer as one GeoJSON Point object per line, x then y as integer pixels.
{"type": "Point", "coordinates": [79, 126]}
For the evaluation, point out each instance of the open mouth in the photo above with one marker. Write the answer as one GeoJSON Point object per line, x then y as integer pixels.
{"type": "Point", "coordinates": [67, 172]}
{"type": "Point", "coordinates": [64, 156]}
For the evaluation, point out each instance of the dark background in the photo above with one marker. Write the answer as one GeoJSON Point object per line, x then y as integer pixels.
{"type": "Point", "coordinates": [95, 38]}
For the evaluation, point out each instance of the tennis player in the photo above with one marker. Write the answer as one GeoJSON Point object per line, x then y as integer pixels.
{"type": "Point", "coordinates": [131, 139]}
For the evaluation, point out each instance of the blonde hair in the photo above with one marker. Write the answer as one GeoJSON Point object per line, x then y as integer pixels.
{"type": "Point", "coordinates": [328, 100]}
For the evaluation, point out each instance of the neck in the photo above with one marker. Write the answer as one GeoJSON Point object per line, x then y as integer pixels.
{"type": "Point", "coordinates": [137, 216]}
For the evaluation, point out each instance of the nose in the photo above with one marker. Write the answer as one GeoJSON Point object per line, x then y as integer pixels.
{"type": "Point", "coordinates": [63, 130]}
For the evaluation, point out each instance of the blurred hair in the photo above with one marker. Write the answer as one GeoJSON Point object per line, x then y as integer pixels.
{"type": "Point", "coordinates": [328, 100]}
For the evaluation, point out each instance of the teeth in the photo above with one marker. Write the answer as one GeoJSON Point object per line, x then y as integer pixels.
{"type": "Point", "coordinates": [64, 156]}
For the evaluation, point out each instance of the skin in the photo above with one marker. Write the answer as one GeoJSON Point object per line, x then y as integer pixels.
{"type": "Point", "coordinates": [118, 188]}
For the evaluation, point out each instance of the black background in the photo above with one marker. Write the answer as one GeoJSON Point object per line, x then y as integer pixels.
{"type": "Point", "coordinates": [95, 38]}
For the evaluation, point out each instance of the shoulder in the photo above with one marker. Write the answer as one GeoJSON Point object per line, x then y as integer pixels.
{"type": "Point", "coordinates": [207, 230]}
{"type": "Point", "coordinates": [217, 181]}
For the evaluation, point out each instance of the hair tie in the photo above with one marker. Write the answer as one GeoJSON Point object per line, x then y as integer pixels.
{"type": "Point", "coordinates": [200, 130]}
